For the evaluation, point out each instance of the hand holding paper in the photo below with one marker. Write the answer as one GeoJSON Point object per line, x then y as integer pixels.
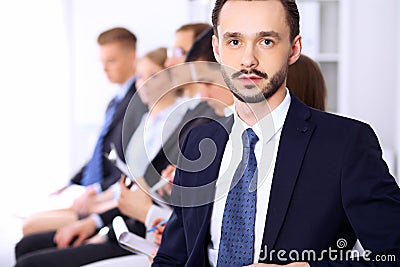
{"type": "Point", "coordinates": [131, 241]}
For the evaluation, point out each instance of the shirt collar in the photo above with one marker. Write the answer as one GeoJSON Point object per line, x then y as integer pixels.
{"type": "Point", "coordinates": [189, 103]}
{"type": "Point", "coordinates": [229, 110]}
{"type": "Point", "coordinates": [268, 126]}
{"type": "Point", "coordinates": [125, 88]}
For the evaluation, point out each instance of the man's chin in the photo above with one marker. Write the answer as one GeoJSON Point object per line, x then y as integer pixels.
{"type": "Point", "coordinates": [250, 99]}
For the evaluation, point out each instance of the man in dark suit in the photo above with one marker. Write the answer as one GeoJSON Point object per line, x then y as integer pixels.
{"type": "Point", "coordinates": [307, 185]}
{"type": "Point", "coordinates": [118, 56]}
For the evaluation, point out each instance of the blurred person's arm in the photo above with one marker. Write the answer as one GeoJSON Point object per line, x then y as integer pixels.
{"type": "Point", "coordinates": [93, 201]}
{"type": "Point", "coordinates": [134, 204]}
{"type": "Point", "coordinates": [168, 173]}
{"type": "Point", "coordinates": [75, 233]}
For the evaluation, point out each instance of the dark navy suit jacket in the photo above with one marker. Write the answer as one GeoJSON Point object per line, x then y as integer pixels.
{"type": "Point", "coordinates": [114, 135]}
{"type": "Point", "coordinates": [330, 183]}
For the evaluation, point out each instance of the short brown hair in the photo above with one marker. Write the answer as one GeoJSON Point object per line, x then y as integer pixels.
{"type": "Point", "coordinates": [196, 28]}
{"type": "Point", "coordinates": [290, 6]}
{"type": "Point", "coordinates": [157, 56]}
{"type": "Point", "coordinates": [118, 34]}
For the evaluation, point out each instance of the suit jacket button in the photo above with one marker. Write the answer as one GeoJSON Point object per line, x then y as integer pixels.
{"type": "Point", "coordinates": [303, 130]}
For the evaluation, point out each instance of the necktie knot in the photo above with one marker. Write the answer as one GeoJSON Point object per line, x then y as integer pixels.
{"type": "Point", "coordinates": [249, 138]}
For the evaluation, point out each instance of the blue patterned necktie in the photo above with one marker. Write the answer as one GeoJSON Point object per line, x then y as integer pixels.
{"type": "Point", "coordinates": [93, 172]}
{"type": "Point", "coordinates": [236, 246]}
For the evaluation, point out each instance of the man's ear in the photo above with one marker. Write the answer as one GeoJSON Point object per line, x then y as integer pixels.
{"type": "Point", "coordinates": [215, 45]}
{"type": "Point", "coordinates": [295, 53]}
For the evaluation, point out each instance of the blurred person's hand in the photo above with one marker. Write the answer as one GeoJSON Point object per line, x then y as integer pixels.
{"type": "Point", "coordinates": [154, 253]}
{"type": "Point", "coordinates": [135, 203]}
{"type": "Point", "coordinates": [75, 233]}
{"type": "Point", "coordinates": [159, 230]}
{"type": "Point", "coordinates": [168, 174]}
{"type": "Point", "coordinates": [86, 202]}
{"type": "Point", "coordinates": [96, 239]}
{"type": "Point", "coordinates": [157, 236]}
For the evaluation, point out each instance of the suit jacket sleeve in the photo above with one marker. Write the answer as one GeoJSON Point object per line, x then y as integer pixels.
{"type": "Point", "coordinates": [371, 199]}
{"type": "Point", "coordinates": [76, 179]}
{"type": "Point", "coordinates": [111, 176]}
{"type": "Point", "coordinates": [172, 251]}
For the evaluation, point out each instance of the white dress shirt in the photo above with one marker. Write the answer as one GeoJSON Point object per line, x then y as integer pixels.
{"type": "Point", "coordinates": [151, 134]}
{"type": "Point", "coordinates": [268, 130]}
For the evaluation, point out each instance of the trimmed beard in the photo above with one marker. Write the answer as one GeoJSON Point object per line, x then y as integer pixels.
{"type": "Point", "coordinates": [275, 82]}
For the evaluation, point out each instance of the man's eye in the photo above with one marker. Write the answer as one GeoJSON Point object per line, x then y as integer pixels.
{"type": "Point", "coordinates": [234, 42]}
{"type": "Point", "coordinates": [267, 42]}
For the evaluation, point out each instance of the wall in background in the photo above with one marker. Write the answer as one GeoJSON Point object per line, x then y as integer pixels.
{"type": "Point", "coordinates": [369, 87]}
{"type": "Point", "coordinates": [35, 96]}
{"type": "Point", "coordinates": [34, 110]}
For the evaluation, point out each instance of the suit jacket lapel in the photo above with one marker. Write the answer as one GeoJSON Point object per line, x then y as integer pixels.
{"type": "Point", "coordinates": [296, 134]}
{"type": "Point", "coordinates": [171, 146]}
{"type": "Point", "coordinates": [220, 137]}
{"type": "Point", "coordinates": [121, 108]}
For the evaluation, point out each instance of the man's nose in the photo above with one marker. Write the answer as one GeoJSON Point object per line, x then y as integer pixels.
{"type": "Point", "coordinates": [249, 59]}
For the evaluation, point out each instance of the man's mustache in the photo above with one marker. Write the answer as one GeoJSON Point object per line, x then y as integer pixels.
{"type": "Point", "coordinates": [248, 72]}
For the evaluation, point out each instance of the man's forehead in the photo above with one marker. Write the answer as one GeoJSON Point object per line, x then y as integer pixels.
{"type": "Point", "coordinates": [269, 6]}
{"type": "Point", "coordinates": [252, 18]}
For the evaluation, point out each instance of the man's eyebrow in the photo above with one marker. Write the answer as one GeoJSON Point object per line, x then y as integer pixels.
{"type": "Point", "coordinates": [268, 34]}
{"type": "Point", "coordinates": [231, 35]}
{"type": "Point", "coordinates": [274, 34]}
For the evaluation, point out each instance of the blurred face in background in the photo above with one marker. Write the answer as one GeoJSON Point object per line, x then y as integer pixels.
{"type": "Point", "coordinates": [177, 53]}
{"type": "Point", "coordinates": [118, 62]}
{"type": "Point", "coordinates": [213, 89]}
{"type": "Point", "coordinates": [150, 87]}
{"type": "Point", "coordinates": [217, 97]}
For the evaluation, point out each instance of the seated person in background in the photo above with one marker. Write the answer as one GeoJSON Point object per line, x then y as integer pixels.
{"type": "Point", "coordinates": [91, 201]}
{"type": "Point", "coordinates": [61, 246]}
{"type": "Point", "coordinates": [118, 56]}
{"type": "Point", "coordinates": [27, 249]}
{"type": "Point", "coordinates": [306, 80]}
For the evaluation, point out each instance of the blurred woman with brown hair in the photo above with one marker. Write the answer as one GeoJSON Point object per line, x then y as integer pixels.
{"type": "Point", "coordinates": [306, 81]}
